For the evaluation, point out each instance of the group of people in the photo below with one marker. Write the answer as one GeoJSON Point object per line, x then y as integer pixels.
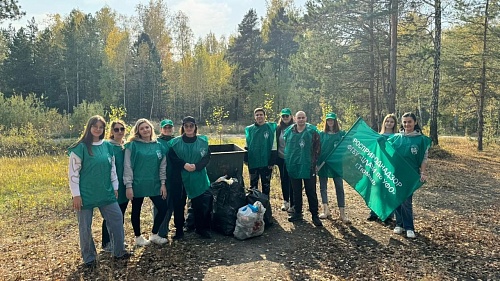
{"type": "Point", "coordinates": [107, 173]}
{"type": "Point", "coordinates": [301, 151]}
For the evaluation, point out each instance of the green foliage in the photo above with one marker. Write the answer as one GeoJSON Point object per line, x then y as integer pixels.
{"type": "Point", "coordinates": [117, 113]}
{"type": "Point", "coordinates": [215, 121]}
{"type": "Point", "coordinates": [81, 115]}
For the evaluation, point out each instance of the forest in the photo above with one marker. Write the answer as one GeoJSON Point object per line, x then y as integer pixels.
{"type": "Point", "coordinates": [359, 58]}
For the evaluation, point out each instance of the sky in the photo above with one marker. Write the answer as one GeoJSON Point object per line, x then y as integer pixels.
{"type": "Point", "coordinates": [218, 16]}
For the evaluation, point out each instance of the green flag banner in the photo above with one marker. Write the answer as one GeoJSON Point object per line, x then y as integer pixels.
{"type": "Point", "coordinates": [368, 163]}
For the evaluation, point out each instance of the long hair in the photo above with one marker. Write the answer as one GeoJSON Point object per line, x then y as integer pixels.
{"type": "Point", "coordinates": [134, 134]}
{"type": "Point", "coordinates": [414, 117]}
{"type": "Point", "coordinates": [87, 138]}
{"type": "Point", "coordinates": [390, 115]}
{"type": "Point", "coordinates": [335, 129]}
{"type": "Point", "coordinates": [112, 126]}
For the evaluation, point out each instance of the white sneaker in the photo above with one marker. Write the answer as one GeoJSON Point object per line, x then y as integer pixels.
{"type": "Point", "coordinates": [285, 206]}
{"type": "Point", "coordinates": [410, 234]}
{"type": "Point", "coordinates": [291, 210]}
{"type": "Point", "coordinates": [398, 230]}
{"type": "Point", "coordinates": [155, 238]}
{"type": "Point", "coordinates": [140, 241]}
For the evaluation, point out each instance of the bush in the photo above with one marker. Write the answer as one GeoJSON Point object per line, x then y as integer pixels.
{"type": "Point", "coordinates": [27, 141]}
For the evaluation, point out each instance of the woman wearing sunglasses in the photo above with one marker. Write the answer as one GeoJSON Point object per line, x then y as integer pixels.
{"type": "Point", "coordinates": [116, 137]}
{"type": "Point", "coordinates": [144, 175]}
{"type": "Point", "coordinates": [190, 153]}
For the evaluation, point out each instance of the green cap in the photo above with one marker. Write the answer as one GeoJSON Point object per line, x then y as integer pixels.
{"type": "Point", "coordinates": [286, 111]}
{"type": "Point", "coordinates": [166, 122]}
{"type": "Point", "coordinates": [331, 115]}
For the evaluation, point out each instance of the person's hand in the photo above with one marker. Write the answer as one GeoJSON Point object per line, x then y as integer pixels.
{"type": "Point", "coordinates": [163, 191]}
{"type": "Point", "coordinates": [130, 193]}
{"type": "Point", "coordinates": [116, 194]}
{"type": "Point", "coordinates": [423, 177]}
{"type": "Point", "coordinates": [189, 167]}
{"type": "Point", "coordinates": [77, 203]}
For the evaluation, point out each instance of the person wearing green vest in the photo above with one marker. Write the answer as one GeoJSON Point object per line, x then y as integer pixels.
{"type": "Point", "coordinates": [116, 139]}
{"type": "Point", "coordinates": [286, 120]}
{"type": "Point", "coordinates": [191, 153]}
{"type": "Point", "coordinates": [329, 138]}
{"type": "Point", "coordinates": [388, 129]}
{"type": "Point", "coordinates": [144, 175]}
{"type": "Point", "coordinates": [259, 144]}
{"type": "Point", "coordinates": [166, 134]}
{"type": "Point", "coordinates": [94, 184]}
{"type": "Point", "coordinates": [414, 147]}
{"type": "Point", "coordinates": [302, 148]}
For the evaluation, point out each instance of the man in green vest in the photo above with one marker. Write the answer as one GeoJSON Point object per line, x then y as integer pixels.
{"type": "Point", "coordinates": [302, 149]}
{"type": "Point", "coordinates": [260, 140]}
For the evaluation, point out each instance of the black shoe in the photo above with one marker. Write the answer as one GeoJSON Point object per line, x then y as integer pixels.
{"type": "Point", "coordinates": [316, 221]}
{"type": "Point", "coordinates": [204, 234]}
{"type": "Point", "coordinates": [295, 217]}
{"type": "Point", "coordinates": [90, 265]}
{"type": "Point", "coordinates": [125, 256]}
{"type": "Point", "coordinates": [372, 218]}
{"type": "Point", "coordinates": [188, 229]}
{"type": "Point", "coordinates": [178, 235]}
{"type": "Point", "coordinates": [388, 221]}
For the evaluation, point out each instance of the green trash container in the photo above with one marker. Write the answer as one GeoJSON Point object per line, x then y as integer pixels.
{"type": "Point", "coordinates": [225, 159]}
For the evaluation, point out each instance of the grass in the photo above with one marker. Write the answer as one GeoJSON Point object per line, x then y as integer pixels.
{"type": "Point", "coordinates": [35, 204]}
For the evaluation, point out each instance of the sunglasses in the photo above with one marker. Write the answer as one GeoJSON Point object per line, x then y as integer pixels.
{"type": "Point", "coordinates": [188, 125]}
{"type": "Point", "coordinates": [285, 116]}
{"type": "Point", "coordinates": [121, 129]}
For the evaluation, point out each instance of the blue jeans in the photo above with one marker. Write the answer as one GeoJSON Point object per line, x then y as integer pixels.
{"type": "Point", "coordinates": [164, 227]}
{"type": "Point", "coordinates": [339, 190]}
{"type": "Point", "coordinates": [404, 214]}
{"type": "Point", "coordinates": [114, 222]}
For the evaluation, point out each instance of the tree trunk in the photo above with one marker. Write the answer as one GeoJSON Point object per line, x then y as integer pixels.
{"type": "Point", "coordinates": [436, 80]}
{"type": "Point", "coordinates": [391, 101]}
{"type": "Point", "coordinates": [373, 122]}
{"type": "Point", "coordinates": [480, 114]}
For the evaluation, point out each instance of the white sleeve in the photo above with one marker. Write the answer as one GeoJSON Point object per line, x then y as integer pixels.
{"type": "Point", "coordinates": [114, 176]}
{"type": "Point", "coordinates": [75, 165]}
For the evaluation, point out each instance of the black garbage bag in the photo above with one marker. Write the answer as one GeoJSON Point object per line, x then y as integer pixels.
{"type": "Point", "coordinates": [254, 195]}
{"type": "Point", "coordinates": [227, 200]}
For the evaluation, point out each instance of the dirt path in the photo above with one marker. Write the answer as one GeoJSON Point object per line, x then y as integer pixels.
{"type": "Point", "coordinates": [457, 220]}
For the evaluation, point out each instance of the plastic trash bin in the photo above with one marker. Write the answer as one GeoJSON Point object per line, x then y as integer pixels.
{"type": "Point", "coordinates": [225, 159]}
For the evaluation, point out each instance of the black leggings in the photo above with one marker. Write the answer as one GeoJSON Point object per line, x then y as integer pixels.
{"type": "Point", "coordinates": [159, 203]}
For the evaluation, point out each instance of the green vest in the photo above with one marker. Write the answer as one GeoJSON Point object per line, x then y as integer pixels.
{"type": "Point", "coordinates": [195, 182]}
{"type": "Point", "coordinates": [119, 152]}
{"type": "Point", "coordinates": [298, 149]}
{"type": "Point", "coordinates": [145, 159]}
{"type": "Point", "coordinates": [96, 189]}
{"type": "Point", "coordinates": [411, 148]}
{"type": "Point", "coordinates": [260, 140]}
{"type": "Point", "coordinates": [328, 143]}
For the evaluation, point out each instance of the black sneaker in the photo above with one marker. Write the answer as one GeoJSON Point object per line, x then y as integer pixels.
{"type": "Point", "coordinates": [188, 229]}
{"type": "Point", "coordinates": [125, 256]}
{"type": "Point", "coordinates": [316, 221]}
{"type": "Point", "coordinates": [178, 235]}
{"type": "Point", "coordinates": [295, 217]}
{"type": "Point", "coordinates": [372, 218]}
{"type": "Point", "coordinates": [204, 234]}
{"type": "Point", "coordinates": [90, 265]}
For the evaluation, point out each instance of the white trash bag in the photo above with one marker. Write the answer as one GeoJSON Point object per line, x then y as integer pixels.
{"type": "Point", "coordinates": [250, 221]}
